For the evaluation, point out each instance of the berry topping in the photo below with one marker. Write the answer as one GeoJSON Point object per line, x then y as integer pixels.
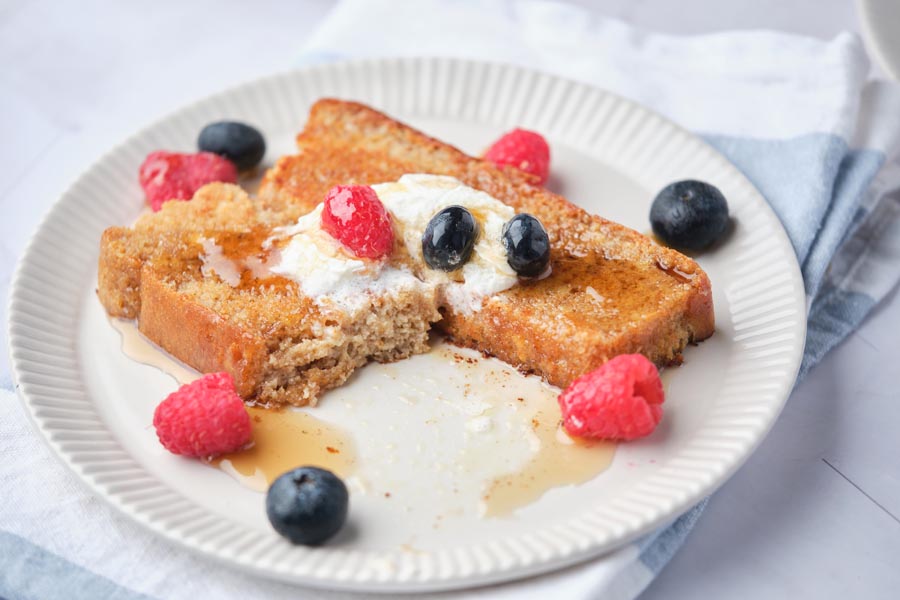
{"type": "Point", "coordinates": [203, 418]}
{"type": "Point", "coordinates": [174, 176]}
{"type": "Point", "coordinates": [307, 505]}
{"type": "Point", "coordinates": [449, 238]}
{"type": "Point", "coordinates": [527, 245]}
{"type": "Point", "coordinates": [622, 400]}
{"type": "Point", "coordinates": [690, 215]}
{"type": "Point", "coordinates": [525, 150]}
{"type": "Point", "coordinates": [238, 142]}
{"type": "Point", "coordinates": [355, 217]}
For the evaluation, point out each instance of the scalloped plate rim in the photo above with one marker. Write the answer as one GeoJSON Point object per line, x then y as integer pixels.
{"type": "Point", "coordinates": [454, 581]}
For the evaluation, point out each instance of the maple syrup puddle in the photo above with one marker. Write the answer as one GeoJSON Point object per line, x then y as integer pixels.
{"type": "Point", "coordinates": [559, 461]}
{"type": "Point", "coordinates": [140, 349]}
{"type": "Point", "coordinates": [286, 439]}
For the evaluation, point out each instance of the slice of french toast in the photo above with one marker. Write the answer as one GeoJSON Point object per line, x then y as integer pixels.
{"type": "Point", "coordinates": [611, 290]}
{"type": "Point", "coordinates": [187, 274]}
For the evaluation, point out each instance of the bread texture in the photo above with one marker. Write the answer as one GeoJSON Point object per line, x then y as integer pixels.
{"type": "Point", "coordinates": [610, 290]}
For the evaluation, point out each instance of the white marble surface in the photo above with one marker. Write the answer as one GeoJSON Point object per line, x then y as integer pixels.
{"type": "Point", "coordinates": [815, 513]}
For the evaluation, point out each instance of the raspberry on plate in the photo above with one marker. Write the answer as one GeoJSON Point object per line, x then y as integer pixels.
{"type": "Point", "coordinates": [203, 418]}
{"type": "Point", "coordinates": [621, 400]}
{"type": "Point", "coordinates": [525, 150]}
{"type": "Point", "coordinates": [355, 217]}
{"type": "Point", "coordinates": [168, 176]}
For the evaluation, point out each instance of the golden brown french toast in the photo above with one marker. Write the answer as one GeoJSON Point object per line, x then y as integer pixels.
{"type": "Point", "coordinates": [611, 291]}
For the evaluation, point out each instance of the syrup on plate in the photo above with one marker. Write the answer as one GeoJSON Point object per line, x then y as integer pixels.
{"type": "Point", "coordinates": [138, 348]}
{"type": "Point", "coordinates": [285, 439]}
{"type": "Point", "coordinates": [560, 460]}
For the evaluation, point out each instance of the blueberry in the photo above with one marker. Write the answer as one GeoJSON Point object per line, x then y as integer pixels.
{"type": "Point", "coordinates": [689, 214]}
{"type": "Point", "coordinates": [527, 245]}
{"type": "Point", "coordinates": [238, 142]}
{"type": "Point", "coordinates": [449, 239]}
{"type": "Point", "coordinates": [307, 505]}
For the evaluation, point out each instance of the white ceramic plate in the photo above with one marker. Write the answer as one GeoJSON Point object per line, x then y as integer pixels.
{"type": "Point", "coordinates": [94, 405]}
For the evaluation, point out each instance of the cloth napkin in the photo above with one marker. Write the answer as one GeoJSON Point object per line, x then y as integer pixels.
{"type": "Point", "coordinates": [796, 115]}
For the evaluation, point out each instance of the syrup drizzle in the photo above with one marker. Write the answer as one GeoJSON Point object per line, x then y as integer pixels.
{"type": "Point", "coordinates": [139, 349]}
{"type": "Point", "coordinates": [559, 461]}
{"type": "Point", "coordinates": [675, 272]}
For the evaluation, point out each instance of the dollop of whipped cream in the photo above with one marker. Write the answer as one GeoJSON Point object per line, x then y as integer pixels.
{"type": "Point", "coordinates": [329, 273]}
{"type": "Point", "coordinates": [326, 270]}
{"type": "Point", "coordinates": [318, 261]}
{"type": "Point", "coordinates": [415, 198]}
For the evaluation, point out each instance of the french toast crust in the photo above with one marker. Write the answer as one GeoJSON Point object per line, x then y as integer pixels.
{"type": "Point", "coordinates": [118, 275]}
{"type": "Point", "coordinates": [197, 335]}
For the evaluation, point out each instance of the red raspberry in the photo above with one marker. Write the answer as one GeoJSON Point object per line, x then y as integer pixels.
{"type": "Point", "coordinates": [525, 150]}
{"type": "Point", "coordinates": [355, 217]}
{"type": "Point", "coordinates": [174, 176]}
{"type": "Point", "coordinates": [203, 418]}
{"type": "Point", "coordinates": [622, 400]}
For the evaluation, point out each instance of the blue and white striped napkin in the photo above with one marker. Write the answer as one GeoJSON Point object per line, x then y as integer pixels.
{"type": "Point", "coordinates": [797, 115]}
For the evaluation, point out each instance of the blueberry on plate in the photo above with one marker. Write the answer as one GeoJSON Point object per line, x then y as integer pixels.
{"type": "Point", "coordinates": [689, 214]}
{"type": "Point", "coordinates": [449, 239]}
{"type": "Point", "coordinates": [307, 505]}
{"type": "Point", "coordinates": [527, 245]}
{"type": "Point", "coordinates": [238, 142]}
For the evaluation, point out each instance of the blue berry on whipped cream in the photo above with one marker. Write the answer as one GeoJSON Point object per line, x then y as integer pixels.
{"type": "Point", "coordinates": [326, 270]}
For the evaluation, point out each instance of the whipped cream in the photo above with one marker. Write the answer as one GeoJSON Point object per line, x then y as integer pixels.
{"type": "Point", "coordinates": [318, 261]}
{"type": "Point", "coordinates": [415, 198]}
{"type": "Point", "coordinates": [326, 270]}
{"type": "Point", "coordinates": [329, 273]}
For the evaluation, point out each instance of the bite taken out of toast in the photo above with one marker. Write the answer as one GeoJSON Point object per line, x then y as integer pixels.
{"type": "Point", "coordinates": [611, 290]}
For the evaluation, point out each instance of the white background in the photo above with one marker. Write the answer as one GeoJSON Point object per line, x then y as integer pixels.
{"type": "Point", "coordinates": [815, 513]}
